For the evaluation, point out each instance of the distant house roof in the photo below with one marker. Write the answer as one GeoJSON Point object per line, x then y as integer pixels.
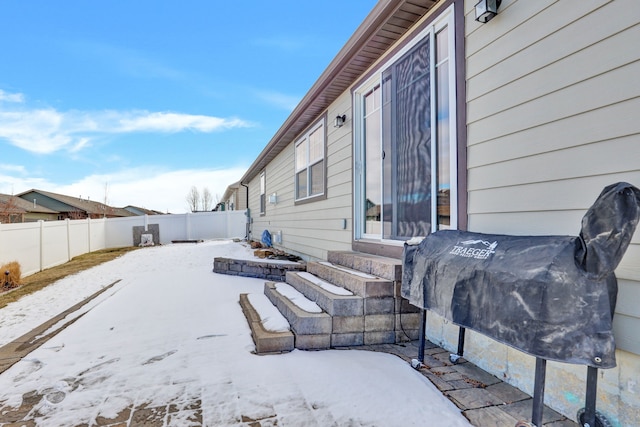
{"type": "Point", "coordinates": [230, 189]}
{"type": "Point", "coordinates": [14, 204]}
{"type": "Point", "coordinates": [387, 23]}
{"type": "Point", "coordinates": [141, 211]}
{"type": "Point", "coordinates": [69, 203]}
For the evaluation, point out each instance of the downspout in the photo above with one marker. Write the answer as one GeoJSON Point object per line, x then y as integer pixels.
{"type": "Point", "coordinates": [248, 214]}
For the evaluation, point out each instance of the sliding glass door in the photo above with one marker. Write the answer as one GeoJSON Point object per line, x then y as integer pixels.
{"type": "Point", "coordinates": [405, 142]}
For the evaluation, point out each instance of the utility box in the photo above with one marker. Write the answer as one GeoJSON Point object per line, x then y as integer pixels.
{"type": "Point", "coordinates": [148, 237]}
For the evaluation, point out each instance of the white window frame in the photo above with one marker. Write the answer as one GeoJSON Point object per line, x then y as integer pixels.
{"type": "Point", "coordinates": [263, 193]}
{"type": "Point", "coordinates": [310, 162]}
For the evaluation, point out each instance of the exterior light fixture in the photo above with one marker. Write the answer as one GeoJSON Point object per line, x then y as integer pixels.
{"type": "Point", "coordinates": [339, 121]}
{"type": "Point", "coordinates": [486, 10]}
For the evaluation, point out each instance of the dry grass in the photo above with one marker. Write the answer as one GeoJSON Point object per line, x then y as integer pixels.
{"type": "Point", "coordinates": [10, 277]}
{"type": "Point", "coordinates": [37, 281]}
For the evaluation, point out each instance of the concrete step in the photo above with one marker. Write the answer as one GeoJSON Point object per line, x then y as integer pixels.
{"type": "Point", "coordinates": [345, 308]}
{"type": "Point", "coordinates": [335, 300]}
{"type": "Point", "coordinates": [312, 330]}
{"type": "Point", "coordinates": [266, 341]}
{"type": "Point", "coordinates": [363, 284]}
{"type": "Point", "coordinates": [407, 317]}
{"type": "Point", "coordinates": [383, 267]}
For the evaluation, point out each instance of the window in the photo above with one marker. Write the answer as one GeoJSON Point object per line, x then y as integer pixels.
{"type": "Point", "coordinates": [310, 163]}
{"type": "Point", "coordinates": [405, 140]}
{"type": "Point", "coordinates": [263, 192]}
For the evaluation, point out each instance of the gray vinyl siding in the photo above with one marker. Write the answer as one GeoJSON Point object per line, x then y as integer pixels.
{"type": "Point", "coordinates": [549, 126]}
{"type": "Point", "coordinates": [240, 197]}
{"type": "Point", "coordinates": [311, 229]}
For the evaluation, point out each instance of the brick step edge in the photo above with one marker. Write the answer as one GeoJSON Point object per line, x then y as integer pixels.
{"type": "Point", "coordinates": [312, 330]}
{"type": "Point", "coordinates": [266, 342]}
{"type": "Point", "coordinates": [363, 284]}
{"type": "Point", "coordinates": [333, 304]}
{"type": "Point", "coordinates": [259, 269]}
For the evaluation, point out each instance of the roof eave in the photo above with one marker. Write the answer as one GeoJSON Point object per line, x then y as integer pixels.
{"type": "Point", "coordinates": [388, 21]}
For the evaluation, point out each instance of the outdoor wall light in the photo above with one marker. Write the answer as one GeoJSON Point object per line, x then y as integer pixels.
{"type": "Point", "coordinates": [339, 121]}
{"type": "Point", "coordinates": [273, 199]}
{"type": "Point", "coordinates": [486, 10]}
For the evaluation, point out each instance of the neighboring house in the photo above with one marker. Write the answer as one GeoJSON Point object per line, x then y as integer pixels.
{"type": "Point", "coordinates": [13, 209]}
{"type": "Point", "coordinates": [72, 207]}
{"type": "Point", "coordinates": [234, 198]}
{"type": "Point", "coordinates": [427, 119]}
{"type": "Point", "coordinates": [141, 211]}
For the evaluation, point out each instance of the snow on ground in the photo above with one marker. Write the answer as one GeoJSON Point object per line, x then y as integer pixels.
{"type": "Point", "coordinates": [172, 330]}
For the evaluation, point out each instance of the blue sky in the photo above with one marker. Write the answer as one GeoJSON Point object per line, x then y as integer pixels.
{"type": "Point", "coordinates": [138, 101]}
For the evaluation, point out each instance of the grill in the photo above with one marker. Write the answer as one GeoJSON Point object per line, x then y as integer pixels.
{"type": "Point", "coordinates": [552, 297]}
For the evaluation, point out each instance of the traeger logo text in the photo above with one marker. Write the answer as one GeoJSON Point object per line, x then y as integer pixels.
{"type": "Point", "coordinates": [469, 251]}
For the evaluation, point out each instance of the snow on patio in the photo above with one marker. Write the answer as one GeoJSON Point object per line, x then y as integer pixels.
{"type": "Point", "coordinates": [171, 334]}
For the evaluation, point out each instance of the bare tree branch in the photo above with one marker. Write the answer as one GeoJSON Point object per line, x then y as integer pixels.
{"type": "Point", "coordinates": [193, 199]}
{"type": "Point", "coordinates": [207, 199]}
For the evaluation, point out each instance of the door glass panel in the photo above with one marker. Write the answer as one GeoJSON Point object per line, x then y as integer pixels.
{"type": "Point", "coordinates": [388, 164]}
{"type": "Point", "coordinates": [372, 158]}
{"type": "Point", "coordinates": [443, 134]}
{"type": "Point", "coordinates": [411, 139]}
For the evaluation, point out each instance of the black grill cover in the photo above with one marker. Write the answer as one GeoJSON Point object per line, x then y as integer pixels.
{"type": "Point", "coordinates": [549, 296]}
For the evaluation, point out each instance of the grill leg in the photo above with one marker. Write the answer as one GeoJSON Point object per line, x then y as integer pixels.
{"type": "Point", "coordinates": [453, 358]}
{"type": "Point", "coordinates": [538, 392]}
{"type": "Point", "coordinates": [419, 362]}
{"type": "Point", "coordinates": [590, 399]}
{"type": "Point", "coordinates": [422, 336]}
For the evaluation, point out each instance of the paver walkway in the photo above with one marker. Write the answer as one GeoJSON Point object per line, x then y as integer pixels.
{"type": "Point", "coordinates": [484, 399]}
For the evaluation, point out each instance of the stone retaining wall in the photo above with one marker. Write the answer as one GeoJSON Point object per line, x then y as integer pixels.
{"type": "Point", "coordinates": [259, 269]}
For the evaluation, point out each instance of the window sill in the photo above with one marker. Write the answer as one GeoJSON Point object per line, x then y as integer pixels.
{"type": "Point", "coordinates": [310, 199]}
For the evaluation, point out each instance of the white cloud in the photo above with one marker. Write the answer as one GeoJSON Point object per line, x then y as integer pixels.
{"type": "Point", "coordinates": [11, 97]}
{"type": "Point", "coordinates": [149, 187]}
{"type": "Point", "coordinates": [12, 184]}
{"type": "Point", "coordinates": [174, 122]}
{"type": "Point", "coordinates": [13, 168]}
{"type": "Point", "coordinates": [39, 131]}
{"type": "Point", "coordinates": [48, 130]}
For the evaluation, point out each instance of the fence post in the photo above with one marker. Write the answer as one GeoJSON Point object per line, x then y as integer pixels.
{"type": "Point", "coordinates": [41, 244]}
{"type": "Point", "coordinates": [146, 222]}
{"type": "Point", "coordinates": [68, 238]}
{"type": "Point", "coordinates": [89, 233]}
{"type": "Point", "coordinates": [188, 225]}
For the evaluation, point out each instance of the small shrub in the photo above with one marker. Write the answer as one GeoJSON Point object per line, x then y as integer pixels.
{"type": "Point", "coordinates": [10, 275]}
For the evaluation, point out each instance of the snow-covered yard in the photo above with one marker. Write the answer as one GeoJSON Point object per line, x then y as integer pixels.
{"type": "Point", "coordinates": [171, 333]}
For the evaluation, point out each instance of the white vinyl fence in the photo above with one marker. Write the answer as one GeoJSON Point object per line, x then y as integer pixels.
{"type": "Point", "coordinates": [43, 244]}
